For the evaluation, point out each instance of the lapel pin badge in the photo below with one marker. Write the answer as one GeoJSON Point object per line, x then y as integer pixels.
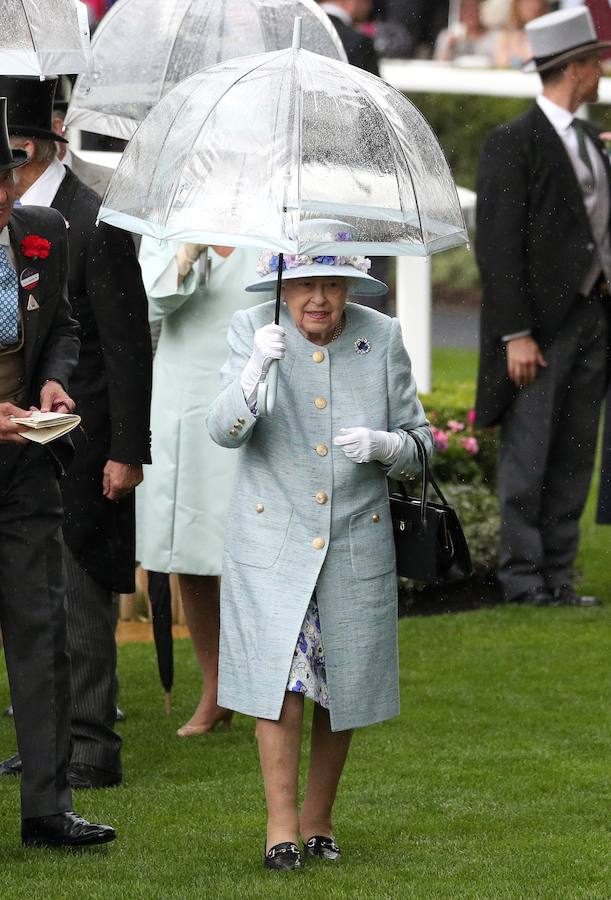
{"type": "Point", "coordinates": [29, 279]}
{"type": "Point", "coordinates": [32, 303]}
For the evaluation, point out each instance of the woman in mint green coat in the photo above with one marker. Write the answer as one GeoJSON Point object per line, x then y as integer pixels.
{"type": "Point", "coordinates": [309, 593]}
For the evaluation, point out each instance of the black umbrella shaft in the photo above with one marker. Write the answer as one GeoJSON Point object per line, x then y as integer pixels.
{"type": "Point", "coordinates": [279, 288]}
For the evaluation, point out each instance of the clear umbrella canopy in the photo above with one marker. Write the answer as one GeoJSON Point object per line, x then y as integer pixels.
{"type": "Point", "coordinates": [43, 37]}
{"type": "Point", "coordinates": [247, 152]}
{"type": "Point", "coordinates": [139, 57]}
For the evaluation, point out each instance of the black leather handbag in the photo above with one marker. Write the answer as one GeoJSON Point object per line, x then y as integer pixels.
{"type": "Point", "coordinates": [429, 540]}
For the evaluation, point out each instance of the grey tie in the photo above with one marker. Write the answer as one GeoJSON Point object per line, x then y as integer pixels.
{"type": "Point", "coordinates": [582, 147]}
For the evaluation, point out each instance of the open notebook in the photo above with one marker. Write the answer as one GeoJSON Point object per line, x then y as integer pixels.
{"type": "Point", "coordinates": [44, 427]}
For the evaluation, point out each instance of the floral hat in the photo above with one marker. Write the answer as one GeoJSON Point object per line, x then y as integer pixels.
{"type": "Point", "coordinates": [355, 268]}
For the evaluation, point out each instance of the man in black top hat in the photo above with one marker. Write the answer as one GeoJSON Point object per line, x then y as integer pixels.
{"type": "Point", "coordinates": [544, 250]}
{"type": "Point", "coordinates": [112, 387]}
{"type": "Point", "coordinates": [38, 352]}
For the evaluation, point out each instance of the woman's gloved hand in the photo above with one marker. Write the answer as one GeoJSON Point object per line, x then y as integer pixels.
{"type": "Point", "coordinates": [187, 256]}
{"type": "Point", "coordinates": [364, 445]}
{"type": "Point", "coordinates": [269, 344]}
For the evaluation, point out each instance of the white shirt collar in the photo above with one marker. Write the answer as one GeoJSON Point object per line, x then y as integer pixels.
{"type": "Point", "coordinates": [5, 237]}
{"type": "Point", "coordinates": [68, 158]}
{"type": "Point", "coordinates": [332, 9]}
{"type": "Point", "coordinates": [559, 117]}
{"type": "Point", "coordinates": [44, 189]}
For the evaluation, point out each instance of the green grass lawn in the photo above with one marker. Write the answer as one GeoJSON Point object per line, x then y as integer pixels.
{"type": "Point", "coordinates": [493, 783]}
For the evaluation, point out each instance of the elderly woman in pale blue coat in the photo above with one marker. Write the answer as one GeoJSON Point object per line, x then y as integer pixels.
{"type": "Point", "coordinates": [309, 593]}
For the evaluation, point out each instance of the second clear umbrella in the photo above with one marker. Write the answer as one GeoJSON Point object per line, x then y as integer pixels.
{"type": "Point", "coordinates": [43, 37]}
{"type": "Point", "coordinates": [139, 57]}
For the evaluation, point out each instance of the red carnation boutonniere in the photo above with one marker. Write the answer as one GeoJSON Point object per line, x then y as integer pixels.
{"type": "Point", "coordinates": [35, 247]}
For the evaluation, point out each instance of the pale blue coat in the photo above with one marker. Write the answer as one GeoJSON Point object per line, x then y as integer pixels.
{"type": "Point", "coordinates": [281, 542]}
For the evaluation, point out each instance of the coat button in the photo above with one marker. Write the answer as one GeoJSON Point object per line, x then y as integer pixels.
{"type": "Point", "coordinates": [318, 543]}
{"type": "Point", "coordinates": [320, 403]}
{"type": "Point", "coordinates": [318, 356]}
{"type": "Point", "coordinates": [375, 518]}
{"type": "Point", "coordinates": [322, 449]}
{"type": "Point", "coordinates": [321, 497]}
{"type": "Point", "coordinates": [238, 426]}
{"type": "Point", "coordinates": [259, 508]}
{"type": "Point", "coordinates": [233, 432]}
{"type": "Point", "coordinates": [242, 421]}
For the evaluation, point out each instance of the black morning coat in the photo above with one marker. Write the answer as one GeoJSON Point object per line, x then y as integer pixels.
{"type": "Point", "coordinates": [50, 334]}
{"type": "Point", "coordinates": [533, 244]}
{"type": "Point", "coordinates": [111, 385]}
{"type": "Point", "coordinates": [359, 47]}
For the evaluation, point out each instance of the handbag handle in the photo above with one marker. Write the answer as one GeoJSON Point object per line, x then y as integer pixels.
{"type": "Point", "coordinates": [427, 477]}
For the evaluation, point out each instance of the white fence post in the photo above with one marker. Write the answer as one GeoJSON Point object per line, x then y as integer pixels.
{"type": "Point", "coordinates": [414, 313]}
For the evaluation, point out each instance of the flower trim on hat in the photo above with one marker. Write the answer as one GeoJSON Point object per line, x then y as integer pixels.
{"type": "Point", "coordinates": [269, 262]}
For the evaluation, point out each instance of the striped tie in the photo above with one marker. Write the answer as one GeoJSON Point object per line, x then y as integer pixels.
{"type": "Point", "coordinates": [9, 301]}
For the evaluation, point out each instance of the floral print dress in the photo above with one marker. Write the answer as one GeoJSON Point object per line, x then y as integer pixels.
{"type": "Point", "coordinates": [308, 674]}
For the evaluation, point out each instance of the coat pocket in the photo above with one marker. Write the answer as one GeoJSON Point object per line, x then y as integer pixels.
{"type": "Point", "coordinates": [259, 532]}
{"type": "Point", "coordinates": [372, 547]}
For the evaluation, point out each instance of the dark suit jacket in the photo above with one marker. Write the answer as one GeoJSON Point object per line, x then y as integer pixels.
{"type": "Point", "coordinates": [533, 245]}
{"type": "Point", "coordinates": [50, 339]}
{"type": "Point", "coordinates": [359, 48]}
{"type": "Point", "coordinates": [111, 385]}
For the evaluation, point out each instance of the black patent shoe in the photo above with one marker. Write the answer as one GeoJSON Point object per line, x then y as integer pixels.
{"type": "Point", "coordinates": [11, 766]}
{"type": "Point", "coordinates": [566, 596]}
{"type": "Point", "coordinates": [66, 829]}
{"type": "Point", "coordinates": [538, 596]}
{"type": "Point", "coordinates": [283, 857]}
{"type": "Point", "coordinates": [320, 847]}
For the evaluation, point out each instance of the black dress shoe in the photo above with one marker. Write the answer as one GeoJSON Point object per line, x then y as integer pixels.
{"type": "Point", "coordinates": [320, 847]}
{"type": "Point", "coordinates": [539, 596]}
{"type": "Point", "coordinates": [11, 766]}
{"type": "Point", "coordinates": [566, 596]}
{"type": "Point", "coordinates": [285, 856]}
{"type": "Point", "coordinates": [65, 829]}
{"type": "Point", "coordinates": [120, 716]}
{"type": "Point", "coordinates": [83, 777]}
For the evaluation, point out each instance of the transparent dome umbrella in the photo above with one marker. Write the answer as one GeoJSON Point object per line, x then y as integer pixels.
{"type": "Point", "coordinates": [139, 57]}
{"type": "Point", "coordinates": [246, 153]}
{"type": "Point", "coordinates": [43, 37]}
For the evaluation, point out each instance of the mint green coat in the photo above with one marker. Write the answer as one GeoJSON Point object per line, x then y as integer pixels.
{"type": "Point", "coordinates": [303, 517]}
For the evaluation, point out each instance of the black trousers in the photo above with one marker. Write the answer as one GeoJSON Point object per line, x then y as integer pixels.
{"type": "Point", "coordinates": [91, 617]}
{"type": "Point", "coordinates": [33, 624]}
{"type": "Point", "coordinates": [548, 441]}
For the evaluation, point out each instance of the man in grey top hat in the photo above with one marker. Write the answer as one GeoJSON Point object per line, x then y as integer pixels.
{"type": "Point", "coordinates": [544, 251]}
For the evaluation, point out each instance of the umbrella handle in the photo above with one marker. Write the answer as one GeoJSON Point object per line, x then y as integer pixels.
{"type": "Point", "coordinates": [268, 390]}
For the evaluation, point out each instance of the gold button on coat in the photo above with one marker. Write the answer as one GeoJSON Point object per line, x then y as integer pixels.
{"type": "Point", "coordinates": [318, 543]}
{"type": "Point", "coordinates": [233, 432]}
{"type": "Point", "coordinates": [242, 421]}
{"type": "Point", "coordinates": [322, 497]}
{"type": "Point", "coordinates": [322, 449]}
{"type": "Point", "coordinates": [259, 508]}
{"type": "Point", "coordinates": [375, 518]}
{"type": "Point", "coordinates": [318, 356]}
{"type": "Point", "coordinates": [320, 403]}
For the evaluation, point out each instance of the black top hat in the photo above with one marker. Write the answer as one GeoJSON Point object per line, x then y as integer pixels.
{"type": "Point", "coordinates": [9, 159]}
{"type": "Point", "coordinates": [30, 106]}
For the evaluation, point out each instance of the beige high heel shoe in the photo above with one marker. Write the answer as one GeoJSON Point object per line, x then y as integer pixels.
{"type": "Point", "coordinates": [222, 722]}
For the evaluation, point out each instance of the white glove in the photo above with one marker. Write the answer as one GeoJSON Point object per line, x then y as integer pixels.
{"type": "Point", "coordinates": [364, 445]}
{"type": "Point", "coordinates": [186, 257]}
{"type": "Point", "coordinates": [269, 344]}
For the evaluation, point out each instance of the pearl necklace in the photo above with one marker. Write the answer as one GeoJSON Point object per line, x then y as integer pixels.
{"type": "Point", "coordinates": [338, 329]}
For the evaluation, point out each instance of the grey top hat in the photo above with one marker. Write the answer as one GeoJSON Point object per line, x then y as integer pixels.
{"type": "Point", "coordinates": [559, 37]}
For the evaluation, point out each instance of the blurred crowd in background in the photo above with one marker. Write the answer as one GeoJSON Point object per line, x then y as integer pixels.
{"type": "Point", "coordinates": [469, 32]}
